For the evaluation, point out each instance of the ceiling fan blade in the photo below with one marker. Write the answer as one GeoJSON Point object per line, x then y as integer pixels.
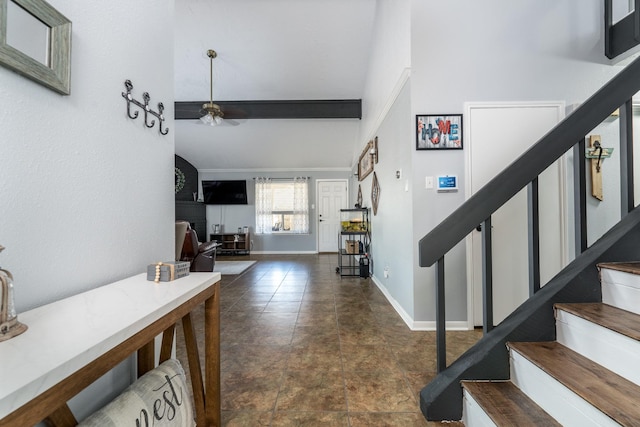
{"type": "Point", "coordinates": [188, 110]}
{"type": "Point", "coordinates": [193, 110]}
{"type": "Point", "coordinates": [233, 122]}
{"type": "Point", "coordinates": [233, 112]}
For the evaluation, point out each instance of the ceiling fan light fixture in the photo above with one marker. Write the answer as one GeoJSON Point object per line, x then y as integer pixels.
{"type": "Point", "coordinates": [210, 119]}
{"type": "Point", "coordinates": [213, 114]}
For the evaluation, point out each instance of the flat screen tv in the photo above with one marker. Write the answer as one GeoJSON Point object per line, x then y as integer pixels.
{"type": "Point", "coordinates": [225, 192]}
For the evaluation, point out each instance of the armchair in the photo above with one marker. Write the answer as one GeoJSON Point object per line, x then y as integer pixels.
{"type": "Point", "coordinates": [181, 232]}
{"type": "Point", "coordinates": [202, 256]}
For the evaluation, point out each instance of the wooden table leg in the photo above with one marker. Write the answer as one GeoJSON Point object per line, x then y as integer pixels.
{"type": "Point", "coordinates": [167, 343]}
{"type": "Point", "coordinates": [62, 417]}
{"type": "Point", "coordinates": [195, 371]}
{"type": "Point", "coordinates": [146, 358]}
{"type": "Point", "coordinates": [212, 358]}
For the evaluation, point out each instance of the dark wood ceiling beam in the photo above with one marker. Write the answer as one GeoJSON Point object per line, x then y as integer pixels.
{"type": "Point", "coordinates": [307, 109]}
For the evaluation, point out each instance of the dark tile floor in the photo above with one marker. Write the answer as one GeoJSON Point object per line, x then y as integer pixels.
{"type": "Point", "coordinates": [301, 346]}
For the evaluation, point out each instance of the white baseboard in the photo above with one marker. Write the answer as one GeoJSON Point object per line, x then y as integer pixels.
{"type": "Point", "coordinates": [452, 325]}
{"type": "Point", "coordinates": [420, 325]}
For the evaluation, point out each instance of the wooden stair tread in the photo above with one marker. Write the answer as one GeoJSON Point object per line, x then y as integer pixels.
{"type": "Point", "coordinates": [616, 319]}
{"type": "Point", "coordinates": [507, 405]}
{"type": "Point", "coordinates": [612, 394]}
{"type": "Point", "coordinates": [628, 267]}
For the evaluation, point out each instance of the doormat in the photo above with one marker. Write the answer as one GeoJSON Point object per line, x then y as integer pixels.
{"type": "Point", "coordinates": [232, 267]}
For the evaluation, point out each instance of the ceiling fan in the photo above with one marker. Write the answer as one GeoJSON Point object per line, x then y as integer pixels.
{"type": "Point", "coordinates": [213, 113]}
{"type": "Point", "coordinates": [236, 112]}
{"type": "Point", "coordinates": [210, 113]}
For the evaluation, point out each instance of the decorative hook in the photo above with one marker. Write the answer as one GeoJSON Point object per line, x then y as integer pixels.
{"type": "Point", "coordinates": [129, 98]}
{"type": "Point", "coordinates": [598, 153]}
{"type": "Point", "coordinates": [146, 98]}
{"type": "Point", "coordinates": [160, 111]}
{"type": "Point", "coordinates": [598, 148]}
{"type": "Point", "coordinates": [145, 106]}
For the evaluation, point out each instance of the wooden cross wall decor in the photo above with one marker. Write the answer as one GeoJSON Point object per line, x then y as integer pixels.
{"type": "Point", "coordinates": [597, 154]}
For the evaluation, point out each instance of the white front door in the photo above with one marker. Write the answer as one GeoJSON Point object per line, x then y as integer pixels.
{"type": "Point", "coordinates": [331, 196]}
{"type": "Point", "coordinates": [497, 135]}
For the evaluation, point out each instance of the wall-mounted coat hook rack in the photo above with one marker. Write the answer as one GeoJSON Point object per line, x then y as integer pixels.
{"type": "Point", "coordinates": [145, 106]}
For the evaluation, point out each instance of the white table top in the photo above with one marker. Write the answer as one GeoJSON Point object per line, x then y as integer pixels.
{"type": "Point", "coordinates": [66, 335]}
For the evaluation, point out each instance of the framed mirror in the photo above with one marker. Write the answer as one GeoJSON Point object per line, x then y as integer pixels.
{"type": "Point", "coordinates": [35, 41]}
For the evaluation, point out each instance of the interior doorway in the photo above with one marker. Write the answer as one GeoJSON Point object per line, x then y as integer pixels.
{"type": "Point", "coordinates": [331, 196]}
{"type": "Point", "coordinates": [497, 135]}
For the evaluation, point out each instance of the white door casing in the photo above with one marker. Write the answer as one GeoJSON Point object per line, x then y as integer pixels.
{"type": "Point", "coordinates": [331, 196]}
{"type": "Point", "coordinates": [496, 135]}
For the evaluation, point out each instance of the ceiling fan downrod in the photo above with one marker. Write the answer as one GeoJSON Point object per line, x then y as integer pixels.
{"type": "Point", "coordinates": [211, 108]}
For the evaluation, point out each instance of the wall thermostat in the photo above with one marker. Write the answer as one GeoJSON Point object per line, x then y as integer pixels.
{"type": "Point", "coordinates": [447, 183]}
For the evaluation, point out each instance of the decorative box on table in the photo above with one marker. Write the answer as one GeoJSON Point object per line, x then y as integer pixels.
{"type": "Point", "coordinates": [168, 271]}
{"type": "Point", "coordinates": [353, 247]}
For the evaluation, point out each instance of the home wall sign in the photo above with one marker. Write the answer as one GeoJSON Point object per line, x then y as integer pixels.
{"type": "Point", "coordinates": [439, 132]}
{"type": "Point", "coordinates": [35, 41]}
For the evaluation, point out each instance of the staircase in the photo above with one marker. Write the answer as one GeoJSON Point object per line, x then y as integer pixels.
{"type": "Point", "coordinates": [589, 376]}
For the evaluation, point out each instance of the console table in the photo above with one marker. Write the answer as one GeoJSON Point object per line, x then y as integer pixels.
{"type": "Point", "coordinates": [72, 342]}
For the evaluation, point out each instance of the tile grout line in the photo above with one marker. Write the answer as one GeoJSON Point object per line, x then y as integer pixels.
{"type": "Point", "coordinates": [342, 371]}
{"type": "Point", "coordinates": [286, 364]}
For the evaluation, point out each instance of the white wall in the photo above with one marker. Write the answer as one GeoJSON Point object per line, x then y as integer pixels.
{"type": "Point", "coordinates": [87, 194]}
{"type": "Point", "coordinates": [491, 50]}
{"type": "Point", "coordinates": [391, 228]}
{"type": "Point", "coordinates": [386, 114]}
{"type": "Point", "coordinates": [388, 65]}
{"type": "Point", "coordinates": [234, 216]}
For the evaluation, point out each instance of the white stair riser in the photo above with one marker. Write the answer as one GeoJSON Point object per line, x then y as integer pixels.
{"type": "Point", "coordinates": [614, 351]}
{"type": "Point", "coordinates": [565, 406]}
{"type": "Point", "coordinates": [472, 414]}
{"type": "Point", "coordinates": [621, 289]}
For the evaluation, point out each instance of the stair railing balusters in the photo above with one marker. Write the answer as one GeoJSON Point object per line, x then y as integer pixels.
{"type": "Point", "coordinates": [608, 25]}
{"type": "Point", "coordinates": [437, 401]}
{"type": "Point", "coordinates": [580, 196]}
{"type": "Point", "coordinates": [441, 322]}
{"type": "Point", "coordinates": [627, 202]}
{"type": "Point", "coordinates": [533, 225]}
{"type": "Point", "coordinates": [623, 35]}
{"type": "Point", "coordinates": [487, 277]}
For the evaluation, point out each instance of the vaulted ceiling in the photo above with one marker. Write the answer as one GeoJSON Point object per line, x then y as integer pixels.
{"type": "Point", "coordinates": [271, 50]}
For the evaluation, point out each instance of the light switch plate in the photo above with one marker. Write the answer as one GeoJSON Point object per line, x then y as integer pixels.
{"type": "Point", "coordinates": [428, 182]}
